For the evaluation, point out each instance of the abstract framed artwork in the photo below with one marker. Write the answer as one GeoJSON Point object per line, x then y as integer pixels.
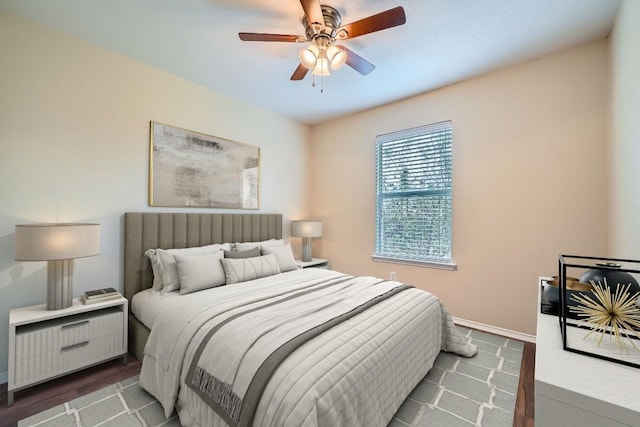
{"type": "Point", "coordinates": [191, 169]}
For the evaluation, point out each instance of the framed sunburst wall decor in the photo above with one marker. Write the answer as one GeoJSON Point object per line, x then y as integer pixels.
{"type": "Point", "coordinates": [192, 169]}
{"type": "Point", "coordinates": [602, 322]}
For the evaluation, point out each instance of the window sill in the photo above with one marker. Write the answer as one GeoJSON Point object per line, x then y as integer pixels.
{"type": "Point", "coordinates": [428, 264]}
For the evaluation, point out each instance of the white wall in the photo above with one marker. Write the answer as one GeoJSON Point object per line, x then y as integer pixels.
{"type": "Point", "coordinates": [74, 144]}
{"type": "Point", "coordinates": [529, 182]}
{"type": "Point", "coordinates": [624, 153]}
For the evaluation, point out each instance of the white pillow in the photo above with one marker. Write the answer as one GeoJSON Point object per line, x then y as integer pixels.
{"type": "Point", "coordinates": [156, 267]}
{"type": "Point", "coordinates": [250, 245]}
{"type": "Point", "coordinates": [170, 279]}
{"type": "Point", "coordinates": [238, 270]}
{"type": "Point", "coordinates": [198, 272]}
{"type": "Point", "coordinates": [284, 255]}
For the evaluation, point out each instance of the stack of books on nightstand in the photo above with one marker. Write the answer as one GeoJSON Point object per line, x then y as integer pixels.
{"type": "Point", "coordinates": [99, 295]}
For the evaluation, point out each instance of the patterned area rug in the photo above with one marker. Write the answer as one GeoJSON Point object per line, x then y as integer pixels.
{"type": "Point", "coordinates": [480, 391]}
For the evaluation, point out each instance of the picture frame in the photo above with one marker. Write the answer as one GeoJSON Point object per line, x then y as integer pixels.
{"type": "Point", "coordinates": [604, 322]}
{"type": "Point", "coordinates": [193, 169]}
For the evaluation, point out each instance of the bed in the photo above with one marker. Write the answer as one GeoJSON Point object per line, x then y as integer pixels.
{"type": "Point", "coordinates": [300, 347]}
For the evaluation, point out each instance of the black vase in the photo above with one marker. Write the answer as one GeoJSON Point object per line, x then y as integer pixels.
{"type": "Point", "coordinates": [614, 278]}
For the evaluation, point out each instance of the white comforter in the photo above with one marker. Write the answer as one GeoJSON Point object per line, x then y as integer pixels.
{"type": "Point", "coordinates": [357, 373]}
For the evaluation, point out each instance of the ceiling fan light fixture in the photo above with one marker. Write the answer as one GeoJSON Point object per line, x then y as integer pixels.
{"type": "Point", "coordinates": [336, 57]}
{"type": "Point", "coordinates": [323, 27]}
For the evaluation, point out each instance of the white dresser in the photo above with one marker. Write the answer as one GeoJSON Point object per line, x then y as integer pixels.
{"type": "Point", "coordinates": [44, 344]}
{"type": "Point", "coordinates": [572, 390]}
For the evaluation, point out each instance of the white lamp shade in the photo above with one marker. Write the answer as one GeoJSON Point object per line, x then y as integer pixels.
{"type": "Point", "coordinates": [306, 228]}
{"type": "Point", "coordinates": [309, 56]}
{"type": "Point", "coordinates": [46, 242]}
{"type": "Point", "coordinates": [322, 67]}
{"type": "Point", "coordinates": [336, 57]}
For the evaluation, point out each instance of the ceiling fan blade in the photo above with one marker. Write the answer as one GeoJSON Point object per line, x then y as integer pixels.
{"type": "Point", "coordinates": [299, 73]}
{"type": "Point", "coordinates": [381, 21]}
{"type": "Point", "coordinates": [313, 12]}
{"type": "Point", "coordinates": [261, 37]}
{"type": "Point", "coordinates": [357, 62]}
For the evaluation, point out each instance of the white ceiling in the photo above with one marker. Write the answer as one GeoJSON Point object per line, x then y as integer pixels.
{"type": "Point", "coordinates": [443, 41]}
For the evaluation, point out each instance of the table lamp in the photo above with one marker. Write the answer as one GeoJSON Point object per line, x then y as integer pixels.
{"type": "Point", "coordinates": [58, 244]}
{"type": "Point", "coordinates": [306, 230]}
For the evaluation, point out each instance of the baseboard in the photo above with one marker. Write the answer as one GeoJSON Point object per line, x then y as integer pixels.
{"type": "Point", "coordinates": [495, 330]}
{"type": "Point", "coordinates": [4, 377]}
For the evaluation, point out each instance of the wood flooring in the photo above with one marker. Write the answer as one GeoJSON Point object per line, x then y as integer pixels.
{"type": "Point", "coordinates": [40, 397]}
{"type": "Point", "coordinates": [35, 399]}
{"type": "Point", "coordinates": [525, 410]}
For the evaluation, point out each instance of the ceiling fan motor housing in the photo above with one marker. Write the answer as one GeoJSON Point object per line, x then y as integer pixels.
{"type": "Point", "coordinates": [332, 21]}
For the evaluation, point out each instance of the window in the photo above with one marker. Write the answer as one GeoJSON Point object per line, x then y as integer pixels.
{"type": "Point", "coordinates": [413, 189]}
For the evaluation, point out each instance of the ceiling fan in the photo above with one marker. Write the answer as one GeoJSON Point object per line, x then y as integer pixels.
{"type": "Point", "coordinates": [323, 28]}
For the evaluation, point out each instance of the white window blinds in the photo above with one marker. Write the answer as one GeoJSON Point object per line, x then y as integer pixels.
{"type": "Point", "coordinates": [413, 188]}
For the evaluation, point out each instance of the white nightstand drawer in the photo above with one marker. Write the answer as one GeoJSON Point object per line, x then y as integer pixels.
{"type": "Point", "coordinates": [47, 349]}
{"type": "Point", "coordinates": [44, 344]}
{"type": "Point", "coordinates": [50, 364]}
{"type": "Point", "coordinates": [46, 337]}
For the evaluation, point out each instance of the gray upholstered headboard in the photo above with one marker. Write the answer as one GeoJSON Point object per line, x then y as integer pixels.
{"type": "Point", "coordinates": [144, 230]}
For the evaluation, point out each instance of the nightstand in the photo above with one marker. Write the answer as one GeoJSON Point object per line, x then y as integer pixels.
{"type": "Point", "coordinates": [315, 263]}
{"type": "Point", "coordinates": [46, 344]}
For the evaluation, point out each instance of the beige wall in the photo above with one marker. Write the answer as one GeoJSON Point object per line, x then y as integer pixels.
{"type": "Point", "coordinates": [624, 220]}
{"type": "Point", "coordinates": [74, 142]}
{"type": "Point", "coordinates": [529, 182]}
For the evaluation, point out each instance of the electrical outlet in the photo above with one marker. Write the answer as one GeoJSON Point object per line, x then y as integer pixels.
{"type": "Point", "coordinates": [392, 275]}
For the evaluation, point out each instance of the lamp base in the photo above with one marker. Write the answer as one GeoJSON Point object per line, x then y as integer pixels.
{"type": "Point", "coordinates": [306, 249]}
{"type": "Point", "coordinates": [59, 284]}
